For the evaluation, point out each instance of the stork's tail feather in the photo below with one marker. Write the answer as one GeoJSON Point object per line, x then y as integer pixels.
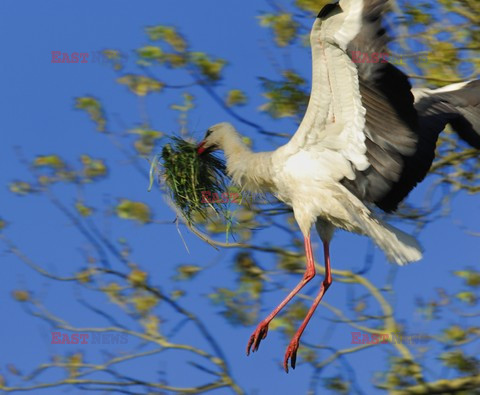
{"type": "Point", "coordinates": [398, 246]}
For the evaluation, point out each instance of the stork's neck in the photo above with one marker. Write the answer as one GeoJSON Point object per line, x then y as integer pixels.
{"type": "Point", "coordinates": [249, 170]}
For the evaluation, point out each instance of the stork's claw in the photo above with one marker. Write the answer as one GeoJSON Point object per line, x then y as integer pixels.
{"type": "Point", "coordinates": [257, 336]}
{"type": "Point", "coordinates": [291, 354]}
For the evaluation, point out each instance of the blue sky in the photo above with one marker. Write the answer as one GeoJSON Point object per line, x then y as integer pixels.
{"type": "Point", "coordinates": [38, 119]}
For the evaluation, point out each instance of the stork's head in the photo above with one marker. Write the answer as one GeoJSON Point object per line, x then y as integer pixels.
{"type": "Point", "coordinates": [216, 137]}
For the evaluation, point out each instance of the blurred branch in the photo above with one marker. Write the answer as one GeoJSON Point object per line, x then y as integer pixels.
{"type": "Point", "coordinates": [449, 386]}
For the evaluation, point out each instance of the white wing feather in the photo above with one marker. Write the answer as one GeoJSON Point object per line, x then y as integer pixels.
{"type": "Point", "coordinates": [335, 118]}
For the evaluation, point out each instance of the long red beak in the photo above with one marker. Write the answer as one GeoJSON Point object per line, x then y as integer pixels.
{"type": "Point", "coordinates": [201, 148]}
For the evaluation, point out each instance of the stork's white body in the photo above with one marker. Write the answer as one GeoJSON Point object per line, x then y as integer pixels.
{"type": "Point", "coordinates": [304, 182]}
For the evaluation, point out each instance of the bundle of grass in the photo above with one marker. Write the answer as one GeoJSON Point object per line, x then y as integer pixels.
{"type": "Point", "coordinates": [190, 178]}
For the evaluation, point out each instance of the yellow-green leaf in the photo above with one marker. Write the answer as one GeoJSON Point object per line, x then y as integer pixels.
{"type": "Point", "coordinates": [115, 57]}
{"type": "Point", "coordinates": [283, 26]}
{"type": "Point", "coordinates": [93, 168]}
{"type": "Point", "coordinates": [113, 291]}
{"type": "Point", "coordinates": [21, 295]}
{"type": "Point", "coordinates": [467, 297]}
{"type": "Point", "coordinates": [186, 272]}
{"type": "Point", "coordinates": [208, 68]}
{"type": "Point", "coordinates": [53, 161]}
{"type": "Point", "coordinates": [455, 333]}
{"type": "Point", "coordinates": [150, 52]}
{"type": "Point", "coordinates": [175, 60]}
{"type": "Point", "coordinates": [83, 210]}
{"type": "Point", "coordinates": [112, 54]}
{"type": "Point", "coordinates": [137, 211]}
{"type": "Point", "coordinates": [169, 35]}
{"type": "Point", "coordinates": [236, 97]}
{"type": "Point", "coordinates": [21, 188]}
{"type": "Point", "coordinates": [471, 277]}
{"type": "Point", "coordinates": [314, 6]}
{"type": "Point", "coordinates": [84, 276]}
{"type": "Point", "coordinates": [151, 324]}
{"type": "Point", "coordinates": [143, 304]}
{"type": "Point", "coordinates": [93, 108]}
{"type": "Point", "coordinates": [458, 360]}
{"type": "Point", "coordinates": [360, 306]}
{"type": "Point", "coordinates": [137, 277]}
{"type": "Point", "coordinates": [146, 140]}
{"type": "Point", "coordinates": [73, 363]}
{"type": "Point", "coordinates": [287, 97]}
{"type": "Point", "coordinates": [177, 294]}
{"type": "Point", "coordinates": [140, 84]}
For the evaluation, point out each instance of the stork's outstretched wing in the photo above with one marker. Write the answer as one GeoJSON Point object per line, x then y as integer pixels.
{"type": "Point", "coordinates": [457, 105]}
{"type": "Point", "coordinates": [395, 123]}
{"type": "Point", "coordinates": [362, 108]}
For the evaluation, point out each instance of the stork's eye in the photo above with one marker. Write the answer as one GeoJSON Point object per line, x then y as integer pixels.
{"type": "Point", "coordinates": [327, 10]}
{"type": "Point", "coordinates": [209, 132]}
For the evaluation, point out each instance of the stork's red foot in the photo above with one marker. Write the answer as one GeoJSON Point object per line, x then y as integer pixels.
{"type": "Point", "coordinates": [257, 336]}
{"type": "Point", "coordinates": [291, 354]}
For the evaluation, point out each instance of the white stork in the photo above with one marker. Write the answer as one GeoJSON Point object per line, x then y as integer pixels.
{"type": "Point", "coordinates": [363, 140]}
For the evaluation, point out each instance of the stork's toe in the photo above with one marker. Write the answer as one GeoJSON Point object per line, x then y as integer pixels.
{"type": "Point", "coordinates": [291, 354]}
{"type": "Point", "coordinates": [257, 336]}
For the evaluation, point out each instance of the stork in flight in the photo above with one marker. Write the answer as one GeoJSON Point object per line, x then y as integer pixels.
{"type": "Point", "coordinates": [365, 139]}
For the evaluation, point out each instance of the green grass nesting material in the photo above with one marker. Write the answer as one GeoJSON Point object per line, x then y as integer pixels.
{"type": "Point", "coordinates": [188, 174]}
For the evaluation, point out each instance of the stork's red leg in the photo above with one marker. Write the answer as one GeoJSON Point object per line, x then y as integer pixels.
{"type": "Point", "coordinates": [293, 346]}
{"type": "Point", "coordinates": [262, 328]}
